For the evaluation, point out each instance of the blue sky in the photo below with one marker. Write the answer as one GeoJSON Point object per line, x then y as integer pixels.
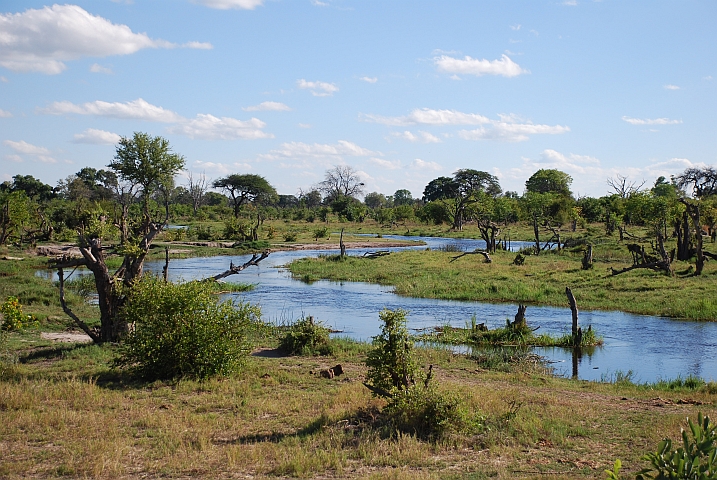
{"type": "Point", "coordinates": [402, 91]}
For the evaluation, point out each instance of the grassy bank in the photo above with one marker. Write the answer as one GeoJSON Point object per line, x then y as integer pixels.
{"type": "Point", "coordinates": [67, 413]}
{"type": "Point", "coordinates": [540, 281]}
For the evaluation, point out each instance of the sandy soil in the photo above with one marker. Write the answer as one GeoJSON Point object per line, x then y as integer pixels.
{"type": "Point", "coordinates": [66, 337]}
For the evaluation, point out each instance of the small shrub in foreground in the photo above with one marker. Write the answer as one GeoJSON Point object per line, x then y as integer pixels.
{"type": "Point", "coordinates": [306, 337]}
{"type": "Point", "coordinates": [12, 317]}
{"type": "Point", "coordinates": [183, 330]}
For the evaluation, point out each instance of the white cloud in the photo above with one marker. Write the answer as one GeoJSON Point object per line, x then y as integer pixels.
{"type": "Point", "coordinates": [515, 27]}
{"type": "Point", "coordinates": [650, 121]}
{"type": "Point", "coordinates": [96, 137]}
{"type": "Point", "coordinates": [388, 164]}
{"type": "Point", "coordinates": [198, 45]}
{"type": "Point", "coordinates": [209, 127]}
{"type": "Point", "coordinates": [97, 68]}
{"type": "Point", "coordinates": [231, 4]}
{"type": "Point", "coordinates": [511, 132]}
{"type": "Point", "coordinates": [317, 3]}
{"type": "Point", "coordinates": [5, 80]}
{"type": "Point", "coordinates": [40, 153]}
{"type": "Point", "coordinates": [419, 164]}
{"type": "Point", "coordinates": [369, 79]}
{"type": "Point", "coordinates": [203, 126]}
{"type": "Point", "coordinates": [268, 106]}
{"type": "Point", "coordinates": [570, 3]}
{"type": "Point", "coordinates": [473, 66]}
{"type": "Point", "coordinates": [427, 116]}
{"type": "Point", "coordinates": [318, 89]}
{"type": "Point", "coordinates": [136, 109]}
{"type": "Point", "coordinates": [5, 113]}
{"type": "Point", "coordinates": [212, 167]}
{"type": "Point", "coordinates": [26, 148]}
{"type": "Point", "coordinates": [671, 87]}
{"type": "Point", "coordinates": [708, 77]}
{"type": "Point", "coordinates": [13, 158]}
{"type": "Point", "coordinates": [317, 150]}
{"type": "Point", "coordinates": [68, 32]}
{"type": "Point", "coordinates": [304, 125]}
{"type": "Point", "coordinates": [422, 137]}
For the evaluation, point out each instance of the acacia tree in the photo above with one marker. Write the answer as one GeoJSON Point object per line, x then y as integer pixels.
{"type": "Point", "coordinates": [244, 189]}
{"type": "Point", "coordinates": [143, 165]}
{"type": "Point", "coordinates": [197, 189]}
{"type": "Point", "coordinates": [456, 194]}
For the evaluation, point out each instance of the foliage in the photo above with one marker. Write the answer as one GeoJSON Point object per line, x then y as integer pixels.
{"type": "Point", "coordinates": [695, 459]}
{"type": "Point", "coordinates": [392, 366]}
{"type": "Point", "coordinates": [183, 330]}
{"type": "Point", "coordinates": [290, 236]}
{"type": "Point", "coordinates": [321, 232]}
{"type": "Point", "coordinates": [341, 181]}
{"type": "Point", "coordinates": [306, 337]}
{"type": "Point", "coordinates": [549, 180]}
{"type": "Point", "coordinates": [430, 414]}
{"type": "Point", "coordinates": [13, 319]}
{"type": "Point", "coordinates": [247, 188]}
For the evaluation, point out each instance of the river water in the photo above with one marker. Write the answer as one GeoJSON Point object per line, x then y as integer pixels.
{"type": "Point", "coordinates": [652, 348]}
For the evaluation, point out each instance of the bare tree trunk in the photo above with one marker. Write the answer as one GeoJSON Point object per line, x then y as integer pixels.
{"type": "Point", "coordinates": [341, 244]}
{"type": "Point", "coordinates": [588, 258]}
{"type": "Point", "coordinates": [536, 232]}
{"type": "Point", "coordinates": [693, 210]}
{"type": "Point", "coordinates": [573, 310]}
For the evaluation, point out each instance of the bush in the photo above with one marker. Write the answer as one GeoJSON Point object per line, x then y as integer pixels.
{"type": "Point", "coordinates": [429, 414]}
{"type": "Point", "coordinates": [290, 236]}
{"type": "Point", "coordinates": [391, 364]}
{"type": "Point", "coordinates": [182, 330]}
{"type": "Point", "coordinates": [12, 317]}
{"type": "Point", "coordinates": [305, 337]}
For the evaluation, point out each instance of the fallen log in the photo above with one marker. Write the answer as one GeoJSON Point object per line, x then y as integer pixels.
{"type": "Point", "coordinates": [475, 252]}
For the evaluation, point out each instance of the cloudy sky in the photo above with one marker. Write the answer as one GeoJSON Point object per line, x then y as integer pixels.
{"type": "Point", "coordinates": [402, 91]}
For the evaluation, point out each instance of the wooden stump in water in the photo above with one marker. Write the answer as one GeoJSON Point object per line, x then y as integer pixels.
{"type": "Point", "coordinates": [520, 317]}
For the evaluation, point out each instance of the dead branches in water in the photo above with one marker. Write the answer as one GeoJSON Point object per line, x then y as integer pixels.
{"type": "Point", "coordinates": [234, 269]}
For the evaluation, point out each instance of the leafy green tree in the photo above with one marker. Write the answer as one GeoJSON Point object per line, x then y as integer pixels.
{"type": "Point", "coordinates": [244, 189]}
{"type": "Point", "coordinates": [549, 181]}
{"type": "Point", "coordinates": [341, 181]}
{"type": "Point", "coordinates": [458, 193]}
{"type": "Point", "coordinates": [15, 212]}
{"type": "Point", "coordinates": [375, 200]}
{"type": "Point", "coordinates": [143, 165]}
{"type": "Point", "coordinates": [402, 197]}
{"type": "Point", "coordinates": [31, 186]}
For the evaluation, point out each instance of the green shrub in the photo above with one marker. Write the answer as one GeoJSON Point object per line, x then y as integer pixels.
{"type": "Point", "coordinates": [183, 330]}
{"type": "Point", "coordinates": [391, 364]}
{"type": "Point", "coordinates": [12, 317]}
{"type": "Point", "coordinates": [695, 459]}
{"type": "Point", "coordinates": [290, 236]}
{"type": "Point", "coordinates": [306, 337]}
{"type": "Point", "coordinates": [429, 414]}
{"type": "Point", "coordinates": [321, 232]}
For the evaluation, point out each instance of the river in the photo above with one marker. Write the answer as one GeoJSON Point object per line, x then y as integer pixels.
{"type": "Point", "coordinates": [652, 348]}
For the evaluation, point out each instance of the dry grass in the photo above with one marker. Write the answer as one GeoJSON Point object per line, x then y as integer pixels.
{"type": "Point", "coordinates": [69, 415]}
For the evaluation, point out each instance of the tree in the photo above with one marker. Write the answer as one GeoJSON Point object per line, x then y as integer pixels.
{"type": "Point", "coordinates": [32, 187]}
{"type": "Point", "coordinates": [623, 187]}
{"type": "Point", "coordinates": [457, 193]}
{"type": "Point", "coordinates": [702, 180]}
{"type": "Point", "coordinates": [143, 164]}
{"type": "Point", "coordinates": [244, 189]}
{"type": "Point", "coordinates": [375, 200]}
{"type": "Point", "coordinates": [197, 189]}
{"type": "Point", "coordinates": [402, 197]}
{"type": "Point", "coordinates": [549, 181]}
{"type": "Point", "coordinates": [341, 181]}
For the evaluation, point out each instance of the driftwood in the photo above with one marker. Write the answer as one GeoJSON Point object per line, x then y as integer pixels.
{"type": "Point", "coordinates": [234, 269]}
{"type": "Point", "coordinates": [474, 252]}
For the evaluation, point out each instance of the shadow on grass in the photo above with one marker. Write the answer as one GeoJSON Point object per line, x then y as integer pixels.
{"type": "Point", "coordinates": [50, 353]}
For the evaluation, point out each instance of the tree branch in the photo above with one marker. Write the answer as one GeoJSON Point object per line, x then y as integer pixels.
{"type": "Point", "coordinates": [61, 276]}
{"type": "Point", "coordinates": [234, 269]}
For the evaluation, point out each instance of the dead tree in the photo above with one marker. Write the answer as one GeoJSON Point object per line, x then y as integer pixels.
{"type": "Point", "coordinates": [642, 260]}
{"type": "Point", "coordinates": [693, 210]}
{"type": "Point", "coordinates": [587, 261]}
{"type": "Point", "coordinates": [342, 246]}
{"type": "Point", "coordinates": [574, 311]}
{"type": "Point", "coordinates": [489, 231]}
{"type": "Point", "coordinates": [519, 319]}
{"type": "Point", "coordinates": [684, 240]}
{"type": "Point", "coordinates": [474, 252]}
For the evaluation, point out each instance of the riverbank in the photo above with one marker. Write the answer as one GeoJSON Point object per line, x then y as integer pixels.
{"type": "Point", "coordinates": [68, 413]}
{"type": "Point", "coordinates": [541, 280]}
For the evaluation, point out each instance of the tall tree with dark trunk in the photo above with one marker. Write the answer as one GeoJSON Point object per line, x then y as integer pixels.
{"type": "Point", "coordinates": [143, 165]}
{"type": "Point", "coordinates": [245, 189]}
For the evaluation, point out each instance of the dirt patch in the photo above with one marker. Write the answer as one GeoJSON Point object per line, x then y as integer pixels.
{"type": "Point", "coordinates": [66, 337]}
